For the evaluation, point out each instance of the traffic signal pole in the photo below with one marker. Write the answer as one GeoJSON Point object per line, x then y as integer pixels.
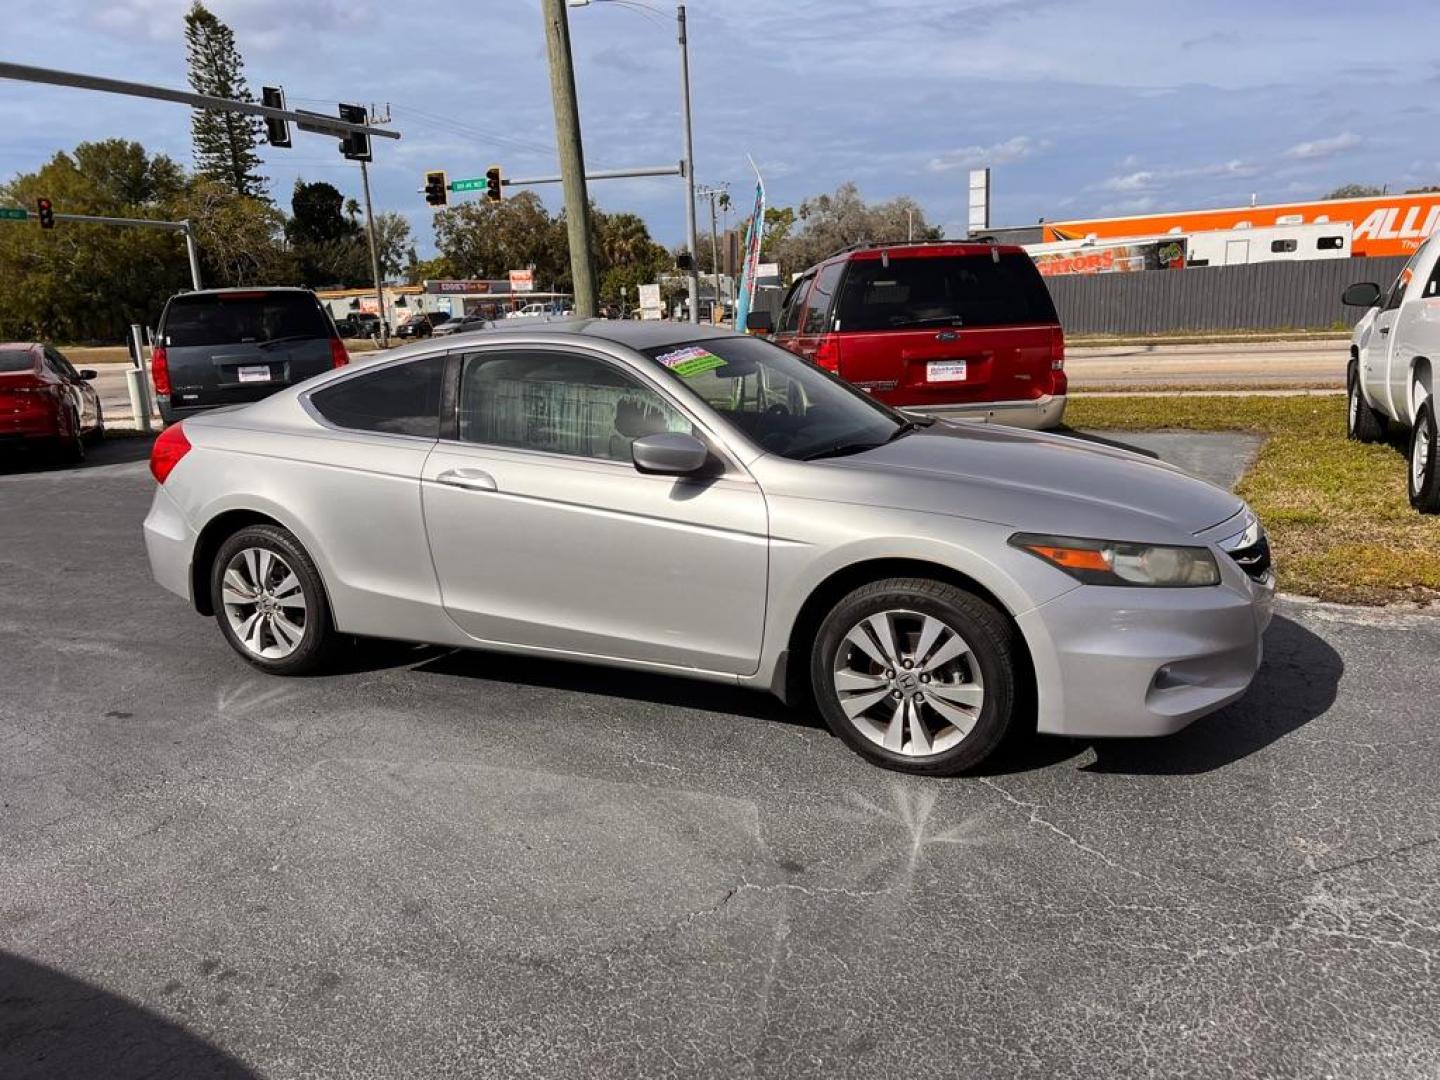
{"type": "Point", "coordinates": [374, 255]}
{"type": "Point", "coordinates": [690, 243]}
{"type": "Point", "coordinates": [571, 153]}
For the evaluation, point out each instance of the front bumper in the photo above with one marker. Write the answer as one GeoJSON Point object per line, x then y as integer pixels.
{"type": "Point", "coordinates": [1039, 413]}
{"type": "Point", "coordinates": [1137, 662]}
{"type": "Point", "coordinates": [169, 543]}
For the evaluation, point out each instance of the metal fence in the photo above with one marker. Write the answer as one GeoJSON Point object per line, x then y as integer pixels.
{"type": "Point", "coordinates": [1259, 296]}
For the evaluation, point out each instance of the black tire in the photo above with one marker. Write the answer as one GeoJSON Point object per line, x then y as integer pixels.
{"type": "Point", "coordinates": [1362, 422]}
{"type": "Point", "coordinates": [317, 644]}
{"type": "Point", "coordinates": [71, 448]}
{"type": "Point", "coordinates": [991, 641]}
{"type": "Point", "coordinates": [98, 435]}
{"type": "Point", "coordinates": [1423, 476]}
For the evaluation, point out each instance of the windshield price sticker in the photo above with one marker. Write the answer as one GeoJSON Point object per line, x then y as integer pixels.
{"type": "Point", "coordinates": [690, 361]}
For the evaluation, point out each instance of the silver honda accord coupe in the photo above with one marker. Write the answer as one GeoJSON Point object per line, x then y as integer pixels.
{"type": "Point", "coordinates": [674, 499]}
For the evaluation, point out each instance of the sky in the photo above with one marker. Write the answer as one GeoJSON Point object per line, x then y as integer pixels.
{"type": "Point", "coordinates": [1081, 107]}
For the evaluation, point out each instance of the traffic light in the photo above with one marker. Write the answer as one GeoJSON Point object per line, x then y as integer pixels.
{"type": "Point", "coordinates": [437, 189]}
{"type": "Point", "coordinates": [492, 183]}
{"type": "Point", "coordinates": [47, 213]}
{"type": "Point", "coordinates": [277, 131]}
{"type": "Point", "coordinates": [355, 145]}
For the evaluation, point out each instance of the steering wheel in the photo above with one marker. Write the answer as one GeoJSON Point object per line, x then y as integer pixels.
{"type": "Point", "coordinates": [778, 409]}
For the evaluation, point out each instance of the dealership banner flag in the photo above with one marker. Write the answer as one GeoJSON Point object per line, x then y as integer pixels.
{"type": "Point", "coordinates": [750, 268]}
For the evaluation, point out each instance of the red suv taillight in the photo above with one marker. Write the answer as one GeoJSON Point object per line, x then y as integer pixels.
{"type": "Point", "coordinates": [827, 352]}
{"type": "Point", "coordinates": [1059, 381]}
{"type": "Point", "coordinates": [338, 356]}
{"type": "Point", "coordinates": [169, 448]}
{"type": "Point", "coordinates": [160, 370]}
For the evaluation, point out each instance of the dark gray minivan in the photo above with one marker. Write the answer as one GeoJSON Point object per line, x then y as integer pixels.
{"type": "Point", "coordinates": [228, 346]}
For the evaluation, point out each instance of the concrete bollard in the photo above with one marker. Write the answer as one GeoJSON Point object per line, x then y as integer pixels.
{"type": "Point", "coordinates": [136, 384]}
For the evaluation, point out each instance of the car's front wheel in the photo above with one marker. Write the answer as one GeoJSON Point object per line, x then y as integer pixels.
{"type": "Point", "coordinates": [916, 675]}
{"type": "Point", "coordinates": [269, 601]}
{"type": "Point", "coordinates": [1362, 422]}
{"type": "Point", "coordinates": [1424, 471]}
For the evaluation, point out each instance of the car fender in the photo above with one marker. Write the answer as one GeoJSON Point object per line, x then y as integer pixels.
{"type": "Point", "coordinates": [1017, 582]}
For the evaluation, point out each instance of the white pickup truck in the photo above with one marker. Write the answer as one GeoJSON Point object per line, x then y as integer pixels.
{"type": "Point", "coordinates": [1394, 358]}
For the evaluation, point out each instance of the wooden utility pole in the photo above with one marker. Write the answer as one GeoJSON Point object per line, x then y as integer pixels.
{"type": "Point", "coordinates": [572, 154]}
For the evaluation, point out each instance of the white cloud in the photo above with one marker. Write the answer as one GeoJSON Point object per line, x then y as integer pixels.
{"type": "Point", "coordinates": [1144, 180]}
{"type": "Point", "coordinates": [1324, 148]}
{"type": "Point", "coordinates": [974, 157]}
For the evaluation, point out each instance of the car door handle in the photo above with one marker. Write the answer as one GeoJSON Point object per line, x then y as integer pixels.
{"type": "Point", "coordinates": [469, 479]}
{"type": "Point", "coordinates": [1384, 330]}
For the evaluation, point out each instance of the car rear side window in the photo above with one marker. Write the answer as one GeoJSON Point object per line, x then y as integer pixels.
{"type": "Point", "coordinates": [399, 400]}
{"type": "Point", "coordinates": [235, 318]}
{"type": "Point", "coordinates": [820, 306]}
{"type": "Point", "coordinates": [13, 360]}
{"type": "Point", "coordinates": [949, 290]}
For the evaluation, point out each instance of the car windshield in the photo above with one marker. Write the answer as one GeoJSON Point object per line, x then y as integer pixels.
{"type": "Point", "coordinates": [234, 318]}
{"type": "Point", "coordinates": [13, 360]}
{"type": "Point", "coordinates": [781, 402]}
{"type": "Point", "coordinates": [952, 290]}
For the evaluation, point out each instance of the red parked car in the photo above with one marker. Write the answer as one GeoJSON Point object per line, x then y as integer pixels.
{"type": "Point", "coordinates": [961, 329]}
{"type": "Point", "coordinates": [46, 401]}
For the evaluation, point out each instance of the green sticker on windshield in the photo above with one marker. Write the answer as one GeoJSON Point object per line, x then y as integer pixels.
{"type": "Point", "coordinates": [690, 361]}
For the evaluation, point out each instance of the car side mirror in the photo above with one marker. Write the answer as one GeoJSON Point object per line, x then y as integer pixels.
{"type": "Point", "coordinates": [88, 374]}
{"type": "Point", "coordinates": [1364, 294]}
{"type": "Point", "coordinates": [759, 322]}
{"type": "Point", "coordinates": [669, 453]}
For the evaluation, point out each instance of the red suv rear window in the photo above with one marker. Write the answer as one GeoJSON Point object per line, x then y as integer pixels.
{"type": "Point", "coordinates": [948, 290]}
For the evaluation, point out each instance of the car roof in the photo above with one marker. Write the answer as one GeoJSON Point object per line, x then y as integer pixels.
{"type": "Point", "coordinates": [632, 333]}
{"type": "Point", "coordinates": [20, 345]}
{"type": "Point", "coordinates": [245, 289]}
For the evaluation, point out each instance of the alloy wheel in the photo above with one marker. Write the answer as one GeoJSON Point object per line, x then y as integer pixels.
{"type": "Point", "coordinates": [1420, 451]}
{"type": "Point", "coordinates": [908, 682]}
{"type": "Point", "coordinates": [264, 603]}
{"type": "Point", "coordinates": [1354, 405]}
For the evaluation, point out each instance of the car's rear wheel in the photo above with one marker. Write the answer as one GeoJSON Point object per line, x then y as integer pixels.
{"type": "Point", "coordinates": [1424, 471]}
{"type": "Point", "coordinates": [1363, 423]}
{"type": "Point", "coordinates": [71, 448]}
{"type": "Point", "coordinates": [916, 675]}
{"type": "Point", "coordinates": [269, 601]}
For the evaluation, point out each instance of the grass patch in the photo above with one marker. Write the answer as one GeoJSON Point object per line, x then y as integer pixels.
{"type": "Point", "coordinates": [1339, 521]}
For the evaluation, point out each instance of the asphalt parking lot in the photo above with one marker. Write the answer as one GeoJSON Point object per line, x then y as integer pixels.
{"type": "Point", "coordinates": [448, 864]}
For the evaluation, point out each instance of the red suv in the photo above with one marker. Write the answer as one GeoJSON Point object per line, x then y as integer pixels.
{"type": "Point", "coordinates": [965, 329]}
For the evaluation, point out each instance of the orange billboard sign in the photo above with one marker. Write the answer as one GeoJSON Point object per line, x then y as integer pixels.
{"type": "Point", "coordinates": [1383, 224]}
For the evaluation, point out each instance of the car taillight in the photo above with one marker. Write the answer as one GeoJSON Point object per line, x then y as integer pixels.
{"type": "Point", "coordinates": [160, 370]}
{"type": "Point", "coordinates": [827, 353]}
{"type": "Point", "coordinates": [338, 356]}
{"type": "Point", "coordinates": [169, 448]}
{"type": "Point", "coordinates": [1057, 349]}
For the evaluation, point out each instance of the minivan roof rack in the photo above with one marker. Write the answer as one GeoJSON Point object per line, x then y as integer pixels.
{"type": "Point", "coordinates": [870, 245]}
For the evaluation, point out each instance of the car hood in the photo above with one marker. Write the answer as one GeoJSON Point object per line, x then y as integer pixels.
{"type": "Point", "coordinates": [1029, 480]}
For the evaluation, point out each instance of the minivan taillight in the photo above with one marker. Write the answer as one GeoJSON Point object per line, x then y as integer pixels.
{"type": "Point", "coordinates": [160, 370]}
{"type": "Point", "coordinates": [1059, 381]}
{"type": "Point", "coordinates": [827, 352]}
{"type": "Point", "coordinates": [338, 356]}
{"type": "Point", "coordinates": [170, 446]}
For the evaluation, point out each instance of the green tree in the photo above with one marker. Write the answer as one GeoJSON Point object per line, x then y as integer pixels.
{"type": "Point", "coordinates": [240, 239]}
{"type": "Point", "coordinates": [485, 239]}
{"type": "Point", "coordinates": [393, 243]}
{"type": "Point", "coordinates": [828, 223]}
{"type": "Point", "coordinates": [224, 142]}
{"type": "Point", "coordinates": [330, 249]}
{"type": "Point", "coordinates": [1354, 191]}
{"type": "Point", "coordinates": [89, 282]}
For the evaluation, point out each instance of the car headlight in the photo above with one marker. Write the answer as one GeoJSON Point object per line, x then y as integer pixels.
{"type": "Point", "coordinates": [1113, 562]}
